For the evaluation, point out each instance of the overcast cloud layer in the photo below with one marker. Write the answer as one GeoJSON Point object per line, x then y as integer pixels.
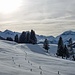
{"type": "Point", "coordinates": [47, 17]}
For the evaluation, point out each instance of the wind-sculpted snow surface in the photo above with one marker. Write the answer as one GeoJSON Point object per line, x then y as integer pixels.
{"type": "Point", "coordinates": [28, 59]}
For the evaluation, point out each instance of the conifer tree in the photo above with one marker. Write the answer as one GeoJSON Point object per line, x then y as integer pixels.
{"type": "Point", "coordinates": [22, 38]}
{"type": "Point", "coordinates": [65, 52]}
{"type": "Point", "coordinates": [60, 47]}
{"type": "Point", "coordinates": [9, 39]}
{"type": "Point", "coordinates": [70, 46]}
{"type": "Point", "coordinates": [16, 38]}
{"type": "Point", "coordinates": [28, 37]}
{"type": "Point", "coordinates": [46, 45]}
{"type": "Point", "coordinates": [33, 38]}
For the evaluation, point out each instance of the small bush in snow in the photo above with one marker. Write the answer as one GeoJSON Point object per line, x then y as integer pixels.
{"type": "Point", "coordinates": [40, 72]}
{"type": "Point", "coordinates": [30, 69]}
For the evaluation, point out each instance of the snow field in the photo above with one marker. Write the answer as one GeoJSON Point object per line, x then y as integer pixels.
{"type": "Point", "coordinates": [28, 59]}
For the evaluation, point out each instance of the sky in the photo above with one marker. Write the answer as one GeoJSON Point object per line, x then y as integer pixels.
{"type": "Point", "coordinates": [46, 17]}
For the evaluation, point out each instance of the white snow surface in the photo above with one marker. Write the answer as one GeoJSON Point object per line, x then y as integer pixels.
{"type": "Point", "coordinates": [28, 59]}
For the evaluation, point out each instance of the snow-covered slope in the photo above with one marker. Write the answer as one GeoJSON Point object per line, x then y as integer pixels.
{"type": "Point", "coordinates": [28, 59]}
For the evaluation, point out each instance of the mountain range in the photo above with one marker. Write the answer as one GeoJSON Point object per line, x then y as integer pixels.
{"type": "Point", "coordinates": [65, 36]}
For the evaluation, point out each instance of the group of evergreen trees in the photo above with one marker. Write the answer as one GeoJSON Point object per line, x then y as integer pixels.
{"type": "Point", "coordinates": [62, 49]}
{"type": "Point", "coordinates": [9, 39]}
{"type": "Point", "coordinates": [30, 37]}
{"type": "Point", "coordinates": [26, 37]}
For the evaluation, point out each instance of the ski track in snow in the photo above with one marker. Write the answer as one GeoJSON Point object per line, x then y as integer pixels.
{"type": "Point", "coordinates": [27, 59]}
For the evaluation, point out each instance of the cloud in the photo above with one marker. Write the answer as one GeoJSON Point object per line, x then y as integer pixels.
{"type": "Point", "coordinates": [44, 14]}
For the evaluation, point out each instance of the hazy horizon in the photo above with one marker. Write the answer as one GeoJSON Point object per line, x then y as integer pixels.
{"type": "Point", "coordinates": [46, 17]}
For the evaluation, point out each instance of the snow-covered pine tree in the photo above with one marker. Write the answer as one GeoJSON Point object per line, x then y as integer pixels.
{"type": "Point", "coordinates": [70, 46]}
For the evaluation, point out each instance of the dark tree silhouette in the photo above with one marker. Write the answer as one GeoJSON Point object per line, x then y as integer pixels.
{"type": "Point", "coordinates": [66, 52]}
{"type": "Point", "coordinates": [70, 46]}
{"type": "Point", "coordinates": [33, 38]}
{"type": "Point", "coordinates": [22, 38]}
{"type": "Point", "coordinates": [9, 39]}
{"type": "Point", "coordinates": [16, 38]}
{"type": "Point", "coordinates": [46, 45]}
{"type": "Point", "coordinates": [60, 47]}
{"type": "Point", "coordinates": [28, 37]}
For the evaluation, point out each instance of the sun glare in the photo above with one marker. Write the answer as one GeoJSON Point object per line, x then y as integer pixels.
{"type": "Point", "coordinates": [9, 6]}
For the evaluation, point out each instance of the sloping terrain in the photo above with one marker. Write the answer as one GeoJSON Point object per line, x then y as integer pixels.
{"type": "Point", "coordinates": [28, 59]}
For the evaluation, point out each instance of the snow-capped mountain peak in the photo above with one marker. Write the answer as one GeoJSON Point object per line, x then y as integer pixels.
{"type": "Point", "coordinates": [69, 33]}
{"type": "Point", "coordinates": [66, 36]}
{"type": "Point", "coordinates": [8, 33]}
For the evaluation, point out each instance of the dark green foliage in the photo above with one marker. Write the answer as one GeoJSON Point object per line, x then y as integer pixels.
{"type": "Point", "coordinates": [28, 37]}
{"type": "Point", "coordinates": [16, 38]}
{"type": "Point", "coordinates": [46, 45]}
{"type": "Point", "coordinates": [70, 43]}
{"type": "Point", "coordinates": [60, 47]}
{"type": "Point", "coordinates": [62, 50]}
{"type": "Point", "coordinates": [65, 52]}
{"type": "Point", "coordinates": [9, 39]}
{"type": "Point", "coordinates": [22, 38]}
{"type": "Point", "coordinates": [60, 43]}
{"type": "Point", "coordinates": [74, 57]}
{"type": "Point", "coordinates": [33, 38]}
{"type": "Point", "coordinates": [1, 38]}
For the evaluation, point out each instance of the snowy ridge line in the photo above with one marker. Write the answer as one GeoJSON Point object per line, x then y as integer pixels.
{"type": "Point", "coordinates": [40, 38]}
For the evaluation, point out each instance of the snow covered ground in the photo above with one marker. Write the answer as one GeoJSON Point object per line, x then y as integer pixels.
{"type": "Point", "coordinates": [28, 59]}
